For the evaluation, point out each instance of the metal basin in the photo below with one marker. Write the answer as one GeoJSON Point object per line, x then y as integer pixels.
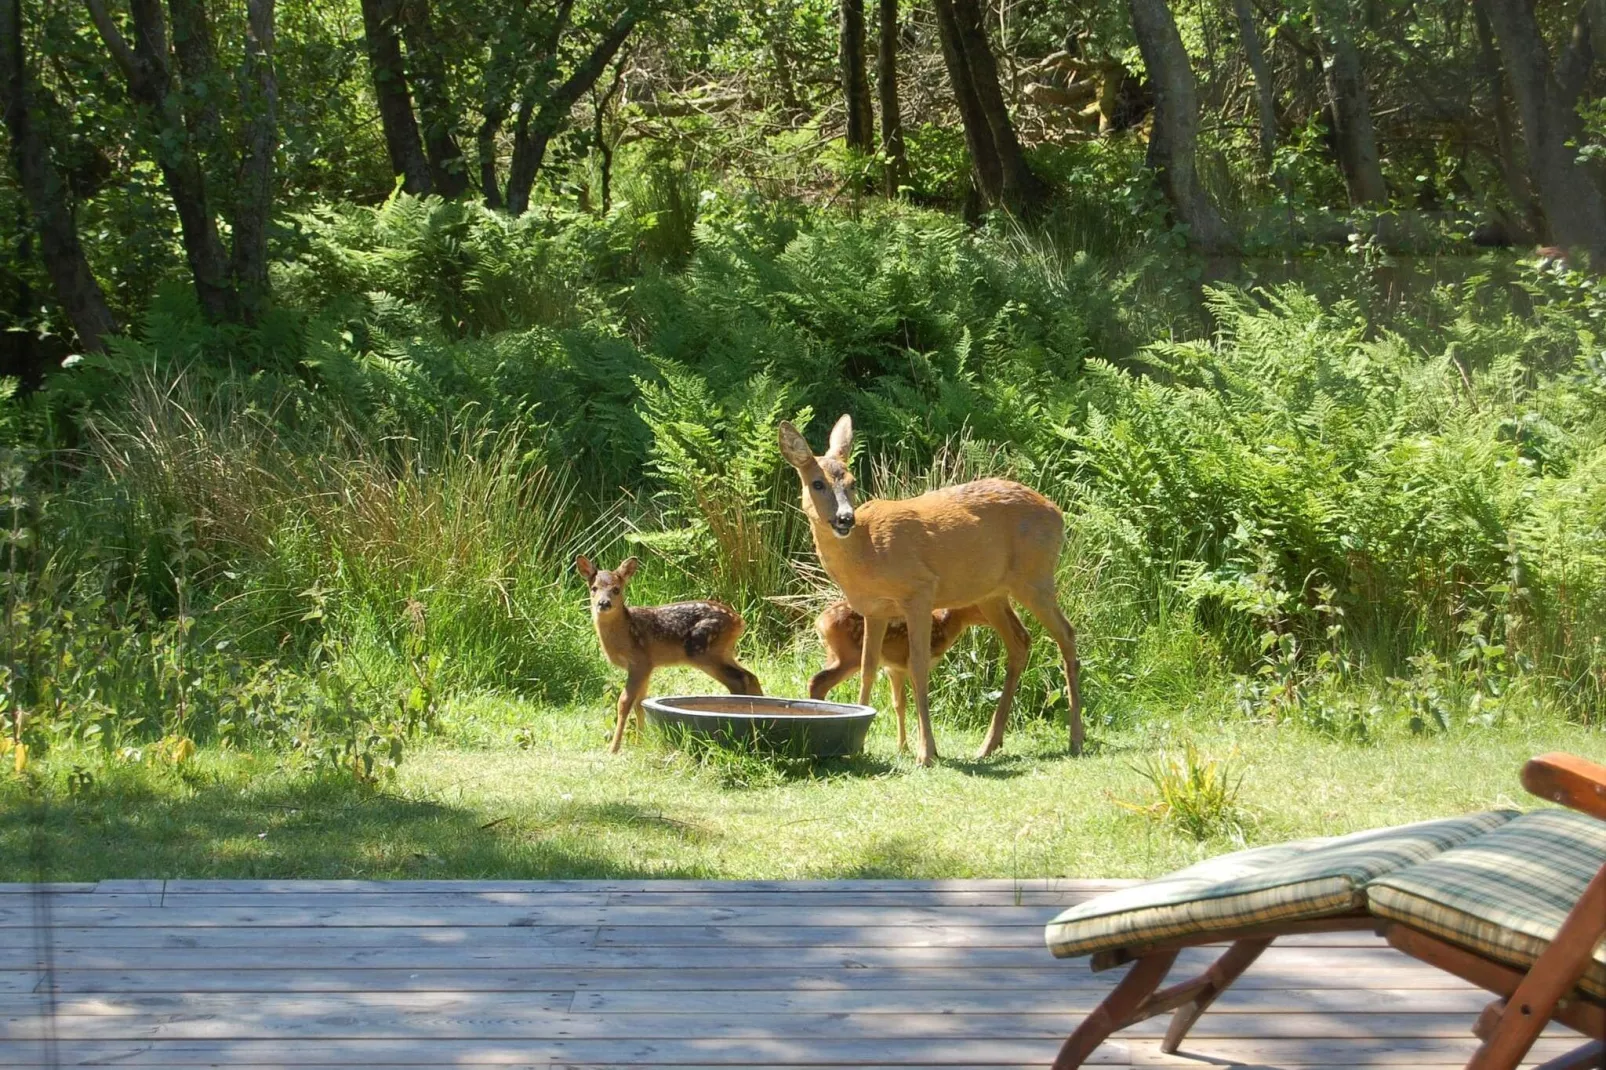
{"type": "Point", "coordinates": [796, 727]}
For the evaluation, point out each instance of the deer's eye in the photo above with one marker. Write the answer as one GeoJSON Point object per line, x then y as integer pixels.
{"type": "Point", "coordinates": [819, 484]}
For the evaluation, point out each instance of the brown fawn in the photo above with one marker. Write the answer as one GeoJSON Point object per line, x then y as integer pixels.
{"type": "Point", "coordinates": [842, 632]}
{"type": "Point", "coordinates": [640, 639]}
{"type": "Point", "coordinates": [978, 544]}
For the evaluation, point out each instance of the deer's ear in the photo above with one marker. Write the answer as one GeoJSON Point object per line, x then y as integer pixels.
{"type": "Point", "coordinates": [627, 569]}
{"type": "Point", "coordinates": [794, 447]}
{"type": "Point", "coordinates": [583, 565]}
{"type": "Point", "coordinates": [841, 438]}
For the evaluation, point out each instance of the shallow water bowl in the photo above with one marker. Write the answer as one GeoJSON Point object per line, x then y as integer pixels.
{"type": "Point", "coordinates": [796, 727]}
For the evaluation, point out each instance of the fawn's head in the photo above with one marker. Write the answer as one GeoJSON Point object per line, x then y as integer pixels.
{"type": "Point", "coordinates": [827, 482]}
{"type": "Point", "coordinates": [607, 588]}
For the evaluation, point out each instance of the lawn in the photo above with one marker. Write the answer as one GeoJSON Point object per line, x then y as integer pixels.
{"type": "Point", "coordinates": [514, 790]}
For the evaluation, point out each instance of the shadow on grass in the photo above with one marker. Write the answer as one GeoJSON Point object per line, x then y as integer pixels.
{"type": "Point", "coordinates": [900, 858]}
{"type": "Point", "coordinates": [153, 824]}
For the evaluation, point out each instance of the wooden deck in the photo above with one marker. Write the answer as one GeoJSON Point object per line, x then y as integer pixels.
{"type": "Point", "coordinates": [651, 973]}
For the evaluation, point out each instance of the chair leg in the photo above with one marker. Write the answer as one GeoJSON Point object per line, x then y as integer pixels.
{"type": "Point", "coordinates": [1551, 977]}
{"type": "Point", "coordinates": [1591, 1056]}
{"type": "Point", "coordinates": [1116, 1012]}
{"type": "Point", "coordinates": [1216, 980]}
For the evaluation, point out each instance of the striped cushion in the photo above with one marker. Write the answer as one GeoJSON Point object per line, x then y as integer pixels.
{"type": "Point", "coordinates": [1505, 895]}
{"type": "Point", "coordinates": [1285, 882]}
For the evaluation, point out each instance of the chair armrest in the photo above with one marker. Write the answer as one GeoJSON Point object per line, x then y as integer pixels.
{"type": "Point", "coordinates": [1568, 780]}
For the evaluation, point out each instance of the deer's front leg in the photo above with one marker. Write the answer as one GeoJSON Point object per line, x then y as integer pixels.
{"type": "Point", "coordinates": [875, 629]}
{"type": "Point", "coordinates": [917, 615]}
{"type": "Point", "coordinates": [630, 698]}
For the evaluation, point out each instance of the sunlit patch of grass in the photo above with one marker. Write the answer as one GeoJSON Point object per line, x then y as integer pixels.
{"type": "Point", "coordinates": [479, 805]}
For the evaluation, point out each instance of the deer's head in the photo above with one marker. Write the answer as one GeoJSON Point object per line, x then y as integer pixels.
{"type": "Point", "coordinates": [607, 588]}
{"type": "Point", "coordinates": [827, 482]}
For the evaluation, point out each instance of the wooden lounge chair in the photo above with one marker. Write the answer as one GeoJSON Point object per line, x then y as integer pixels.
{"type": "Point", "coordinates": [1514, 903]}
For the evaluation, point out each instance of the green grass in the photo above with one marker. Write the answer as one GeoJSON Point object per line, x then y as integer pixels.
{"type": "Point", "coordinates": [517, 790]}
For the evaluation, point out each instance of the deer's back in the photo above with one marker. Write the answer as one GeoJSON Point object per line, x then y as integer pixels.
{"type": "Point", "coordinates": [684, 630]}
{"type": "Point", "coordinates": [974, 539]}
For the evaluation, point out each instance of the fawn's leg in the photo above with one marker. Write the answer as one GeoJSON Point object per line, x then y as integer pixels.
{"type": "Point", "coordinates": [900, 700]}
{"type": "Point", "coordinates": [635, 687]}
{"type": "Point", "coordinates": [875, 629]}
{"type": "Point", "coordinates": [1041, 601]}
{"type": "Point", "coordinates": [737, 679]}
{"type": "Point", "coordinates": [1017, 648]}
{"type": "Point", "coordinates": [917, 617]}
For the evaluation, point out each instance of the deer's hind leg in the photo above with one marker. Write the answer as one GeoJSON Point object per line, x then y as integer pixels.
{"type": "Point", "coordinates": [737, 678]}
{"type": "Point", "coordinates": [1017, 648]}
{"type": "Point", "coordinates": [900, 702]}
{"type": "Point", "coordinates": [1042, 602]}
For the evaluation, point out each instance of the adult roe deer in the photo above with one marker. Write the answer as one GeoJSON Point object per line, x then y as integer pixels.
{"type": "Point", "coordinates": [640, 639]}
{"type": "Point", "coordinates": [979, 544]}
{"type": "Point", "coordinates": [841, 632]}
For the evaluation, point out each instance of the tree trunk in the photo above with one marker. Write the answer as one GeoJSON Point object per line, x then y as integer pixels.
{"type": "Point", "coordinates": [195, 47]}
{"type": "Point", "coordinates": [46, 192]}
{"type": "Point", "coordinates": [536, 124]}
{"type": "Point", "coordinates": [887, 89]}
{"type": "Point", "coordinates": [600, 136]}
{"type": "Point", "coordinates": [1575, 215]}
{"type": "Point", "coordinates": [986, 172]}
{"type": "Point", "coordinates": [395, 103]}
{"type": "Point", "coordinates": [426, 68]}
{"type": "Point", "coordinates": [1021, 191]}
{"type": "Point", "coordinates": [150, 83]}
{"type": "Point", "coordinates": [1351, 107]}
{"type": "Point", "coordinates": [1176, 125]}
{"type": "Point", "coordinates": [1511, 171]}
{"type": "Point", "coordinates": [494, 116]}
{"type": "Point", "coordinates": [253, 199]}
{"type": "Point", "coordinates": [1265, 100]}
{"type": "Point", "coordinates": [855, 83]}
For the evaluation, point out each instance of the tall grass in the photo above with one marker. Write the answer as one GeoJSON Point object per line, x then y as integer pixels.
{"type": "Point", "coordinates": [319, 538]}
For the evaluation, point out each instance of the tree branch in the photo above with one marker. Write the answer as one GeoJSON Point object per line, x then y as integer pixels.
{"type": "Point", "coordinates": [122, 55]}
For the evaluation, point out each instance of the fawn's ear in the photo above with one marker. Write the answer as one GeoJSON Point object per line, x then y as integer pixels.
{"type": "Point", "coordinates": [583, 565]}
{"type": "Point", "coordinates": [627, 569]}
{"type": "Point", "coordinates": [841, 438]}
{"type": "Point", "coordinates": [794, 447]}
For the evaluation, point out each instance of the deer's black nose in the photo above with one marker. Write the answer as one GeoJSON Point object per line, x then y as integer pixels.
{"type": "Point", "coordinates": [604, 603]}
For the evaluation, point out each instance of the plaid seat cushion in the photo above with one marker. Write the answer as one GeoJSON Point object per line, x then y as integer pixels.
{"type": "Point", "coordinates": [1504, 895]}
{"type": "Point", "coordinates": [1288, 881]}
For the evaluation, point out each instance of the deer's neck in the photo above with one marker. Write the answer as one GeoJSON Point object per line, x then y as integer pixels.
{"type": "Point", "coordinates": [846, 560]}
{"type": "Point", "coordinates": [615, 635]}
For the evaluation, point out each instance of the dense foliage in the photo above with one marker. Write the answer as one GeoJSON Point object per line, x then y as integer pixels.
{"type": "Point", "coordinates": [1353, 484]}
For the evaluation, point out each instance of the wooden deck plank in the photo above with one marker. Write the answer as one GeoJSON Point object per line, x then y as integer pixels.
{"type": "Point", "coordinates": [1052, 977]}
{"type": "Point", "coordinates": [323, 912]}
{"type": "Point", "coordinates": [607, 936]}
{"type": "Point", "coordinates": [524, 948]}
{"type": "Point", "coordinates": [575, 974]}
{"type": "Point", "coordinates": [505, 1003]}
{"type": "Point", "coordinates": [773, 1052]}
{"type": "Point", "coordinates": [649, 885]}
{"type": "Point", "coordinates": [510, 1021]}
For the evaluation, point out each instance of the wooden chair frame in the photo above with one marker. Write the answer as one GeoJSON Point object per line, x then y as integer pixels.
{"type": "Point", "coordinates": [1529, 1000]}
